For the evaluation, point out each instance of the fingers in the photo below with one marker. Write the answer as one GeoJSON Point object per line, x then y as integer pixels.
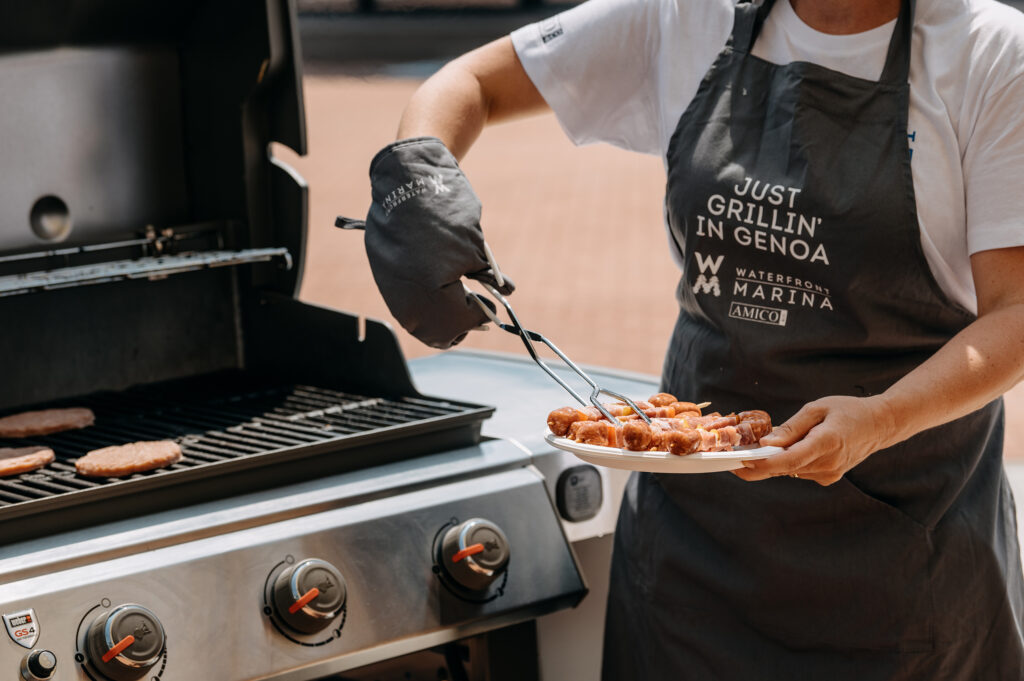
{"type": "Point", "coordinates": [804, 446]}
{"type": "Point", "coordinates": [795, 428]}
{"type": "Point", "coordinates": [814, 470]}
{"type": "Point", "coordinates": [821, 442]}
{"type": "Point", "coordinates": [815, 449]}
{"type": "Point", "coordinates": [801, 459]}
{"type": "Point", "coordinates": [444, 317]}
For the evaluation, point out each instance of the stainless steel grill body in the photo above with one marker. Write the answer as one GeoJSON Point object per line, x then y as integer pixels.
{"type": "Point", "coordinates": [204, 573]}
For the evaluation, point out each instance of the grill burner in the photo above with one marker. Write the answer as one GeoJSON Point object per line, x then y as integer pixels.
{"type": "Point", "coordinates": [263, 434]}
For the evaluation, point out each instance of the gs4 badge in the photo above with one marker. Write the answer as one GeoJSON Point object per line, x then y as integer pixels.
{"type": "Point", "coordinates": [22, 627]}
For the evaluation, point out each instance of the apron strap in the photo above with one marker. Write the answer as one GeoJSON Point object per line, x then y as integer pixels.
{"type": "Point", "coordinates": [751, 16]}
{"type": "Point", "coordinates": [897, 61]}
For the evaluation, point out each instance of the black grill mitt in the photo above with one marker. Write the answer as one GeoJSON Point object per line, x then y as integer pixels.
{"type": "Point", "coordinates": [422, 236]}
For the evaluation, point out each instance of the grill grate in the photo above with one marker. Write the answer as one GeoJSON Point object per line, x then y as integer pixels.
{"type": "Point", "coordinates": [230, 425]}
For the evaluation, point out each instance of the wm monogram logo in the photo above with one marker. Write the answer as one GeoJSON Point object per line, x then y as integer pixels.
{"type": "Point", "coordinates": [437, 181]}
{"type": "Point", "coordinates": [704, 283]}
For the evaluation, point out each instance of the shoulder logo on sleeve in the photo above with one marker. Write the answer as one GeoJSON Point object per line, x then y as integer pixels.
{"type": "Point", "coordinates": [22, 627]}
{"type": "Point", "coordinates": [550, 29]}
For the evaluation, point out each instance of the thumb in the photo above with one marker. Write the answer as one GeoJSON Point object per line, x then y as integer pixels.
{"type": "Point", "coordinates": [794, 429]}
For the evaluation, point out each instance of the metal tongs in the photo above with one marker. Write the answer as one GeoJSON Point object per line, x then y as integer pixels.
{"type": "Point", "coordinates": [531, 337]}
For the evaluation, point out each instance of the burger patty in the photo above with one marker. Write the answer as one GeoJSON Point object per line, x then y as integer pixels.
{"type": "Point", "coordinates": [30, 423]}
{"type": "Point", "coordinates": [121, 460]}
{"type": "Point", "coordinates": [17, 460]}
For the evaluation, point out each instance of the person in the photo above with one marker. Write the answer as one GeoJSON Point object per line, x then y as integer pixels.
{"type": "Point", "coordinates": [842, 200]}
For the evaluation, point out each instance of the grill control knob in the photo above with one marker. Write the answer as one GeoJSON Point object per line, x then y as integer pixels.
{"type": "Point", "coordinates": [125, 642]}
{"type": "Point", "coordinates": [310, 595]}
{"type": "Point", "coordinates": [39, 665]}
{"type": "Point", "coordinates": [474, 553]}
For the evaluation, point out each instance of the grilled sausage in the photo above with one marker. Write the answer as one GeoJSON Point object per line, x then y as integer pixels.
{"type": "Point", "coordinates": [760, 422]}
{"type": "Point", "coordinates": [685, 408]}
{"type": "Point", "coordinates": [662, 400]}
{"type": "Point", "coordinates": [560, 420]}
{"type": "Point", "coordinates": [596, 433]}
{"type": "Point", "coordinates": [682, 442]}
{"type": "Point", "coordinates": [637, 435]}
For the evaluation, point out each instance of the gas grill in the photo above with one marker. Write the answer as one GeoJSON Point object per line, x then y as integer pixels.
{"type": "Point", "coordinates": [326, 516]}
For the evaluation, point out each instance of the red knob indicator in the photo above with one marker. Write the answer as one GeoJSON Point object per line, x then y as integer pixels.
{"type": "Point", "coordinates": [467, 552]}
{"type": "Point", "coordinates": [309, 596]}
{"type": "Point", "coordinates": [124, 643]}
{"type": "Point", "coordinates": [474, 554]}
{"type": "Point", "coordinates": [118, 648]}
{"type": "Point", "coordinates": [306, 598]}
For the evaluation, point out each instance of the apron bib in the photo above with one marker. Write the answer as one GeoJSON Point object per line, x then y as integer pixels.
{"type": "Point", "coordinates": [791, 201]}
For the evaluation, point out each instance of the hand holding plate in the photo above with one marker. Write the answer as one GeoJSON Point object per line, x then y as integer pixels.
{"type": "Point", "coordinates": [823, 440]}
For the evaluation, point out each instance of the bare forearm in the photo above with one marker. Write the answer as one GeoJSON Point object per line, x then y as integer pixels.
{"type": "Point", "coordinates": [451, 106]}
{"type": "Point", "coordinates": [487, 85]}
{"type": "Point", "coordinates": [831, 435]}
{"type": "Point", "coordinates": [976, 366]}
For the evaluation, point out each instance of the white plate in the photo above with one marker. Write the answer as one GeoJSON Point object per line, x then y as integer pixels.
{"type": "Point", "coordinates": [662, 462]}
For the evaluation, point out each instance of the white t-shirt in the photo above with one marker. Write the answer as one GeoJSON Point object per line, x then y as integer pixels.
{"type": "Point", "coordinates": [623, 72]}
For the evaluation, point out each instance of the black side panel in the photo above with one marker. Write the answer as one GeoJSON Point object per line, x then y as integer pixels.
{"type": "Point", "coordinates": [299, 342]}
{"type": "Point", "coordinates": [52, 23]}
{"type": "Point", "coordinates": [278, 217]}
{"type": "Point", "coordinates": [287, 107]}
{"type": "Point", "coordinates": [108, 337]}
{"type": "Point", "coordinates": [290, 210]}
{"type": "Point", "coordinates": [222, 60]}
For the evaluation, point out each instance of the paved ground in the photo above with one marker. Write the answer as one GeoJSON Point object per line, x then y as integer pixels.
{"type": "Point", "coordinates": [579, 230]}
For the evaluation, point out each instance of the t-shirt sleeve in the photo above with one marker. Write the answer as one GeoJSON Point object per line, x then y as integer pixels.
{"type": "Point", "coordinates": [992, 164]}
{"type": "Point", "coordinates": [593, 64]}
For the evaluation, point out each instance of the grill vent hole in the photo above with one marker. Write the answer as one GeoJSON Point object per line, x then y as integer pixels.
{"type": "Point", "coordinates": [50, 218]}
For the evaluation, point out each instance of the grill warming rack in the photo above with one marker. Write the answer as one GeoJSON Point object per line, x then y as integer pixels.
{"type": "Point", "coordinates": [155, 255]}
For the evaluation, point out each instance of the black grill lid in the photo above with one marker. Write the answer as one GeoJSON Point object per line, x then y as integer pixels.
{"type": "Point", "coordinates": [122, 115]}
{"type": "Point", "coordinates": [136, 154]}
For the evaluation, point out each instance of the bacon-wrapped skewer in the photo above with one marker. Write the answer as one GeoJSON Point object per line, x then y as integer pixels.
{"type": "Point", "coordinates": [668, 435]}
{"type": "Point", "coordinates": [560, 420]}
{"type": "Point", "coordinates": [753, 425]}
{"type": "Point", "coordinates": [685, 435]}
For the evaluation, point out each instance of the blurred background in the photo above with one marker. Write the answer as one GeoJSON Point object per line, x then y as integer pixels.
{"type": "Point", "coordinates": [579, 229]}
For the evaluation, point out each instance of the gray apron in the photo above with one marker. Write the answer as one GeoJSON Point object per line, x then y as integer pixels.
{"type": "Point", "coordinates": [791, 201]}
